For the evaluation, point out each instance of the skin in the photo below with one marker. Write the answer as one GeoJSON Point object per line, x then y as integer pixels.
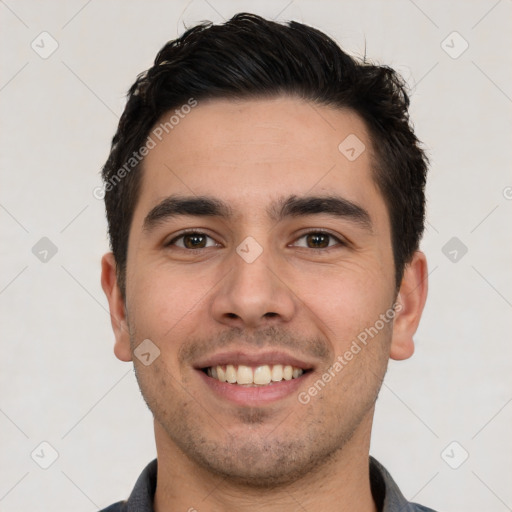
{"type": "Point", "coordinates": [311, 302]}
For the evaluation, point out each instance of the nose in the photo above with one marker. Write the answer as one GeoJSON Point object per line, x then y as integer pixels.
{"type": "Point", "coordinates": [254, 294]}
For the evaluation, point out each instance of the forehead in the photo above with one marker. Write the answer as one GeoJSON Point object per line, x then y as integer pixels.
{"type": "Point", "coordinates": [251, 151]}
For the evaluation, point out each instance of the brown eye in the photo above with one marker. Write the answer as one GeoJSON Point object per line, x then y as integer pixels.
{"type": "Point", "coordinates": [318, 240]}
{"type": "Point", "coordinates": [192, 240]}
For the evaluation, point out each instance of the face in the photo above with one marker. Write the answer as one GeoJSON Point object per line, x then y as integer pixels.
{"type": "Point", "coordinates": [257, 245]}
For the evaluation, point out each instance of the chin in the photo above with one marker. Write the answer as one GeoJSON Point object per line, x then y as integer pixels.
{"type": "Point", "coordinates": [262, 463]}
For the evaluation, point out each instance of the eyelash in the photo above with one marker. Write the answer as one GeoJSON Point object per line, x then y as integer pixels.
{"type": "Point", "coordinates": [339, 241]}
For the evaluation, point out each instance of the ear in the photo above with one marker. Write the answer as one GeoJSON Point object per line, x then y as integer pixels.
{"type": "Point", "coordinates": [410, 302]}
{"type": "Point", "coordinates": [117, 307]}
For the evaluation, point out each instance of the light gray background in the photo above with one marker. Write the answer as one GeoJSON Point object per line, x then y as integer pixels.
{"type": "Point", "coordinates": [60, 381]}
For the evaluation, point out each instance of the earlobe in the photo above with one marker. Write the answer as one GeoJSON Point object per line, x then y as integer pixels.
{"type": "Point", "coordinates": [117, 307]}
{"type": "Point", "coordinates": [410, 303]}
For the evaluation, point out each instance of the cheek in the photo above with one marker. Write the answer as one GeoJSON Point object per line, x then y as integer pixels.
{"type": "Point", "coordinates": [164, 303]}
{"type": "Point", "coordinates": [343, 300]}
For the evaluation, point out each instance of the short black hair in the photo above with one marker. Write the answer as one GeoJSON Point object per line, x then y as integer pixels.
{"type": "Point", "coordinates": [251, 57]}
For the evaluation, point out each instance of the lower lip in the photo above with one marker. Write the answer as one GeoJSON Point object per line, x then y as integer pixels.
{"type": "Point", "coordinates": [253, 395]}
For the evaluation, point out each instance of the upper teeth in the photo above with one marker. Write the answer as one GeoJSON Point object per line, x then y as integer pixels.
{"type": "Point", "coordinates": [265, 374]}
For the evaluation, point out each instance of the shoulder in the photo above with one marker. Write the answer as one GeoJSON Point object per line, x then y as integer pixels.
{"type": "Point", "coordinates": [141, 497]}
{"type": "Point", "coordinates": [386, 493]}
{"type": "Point", "coordinates": [120, 506]}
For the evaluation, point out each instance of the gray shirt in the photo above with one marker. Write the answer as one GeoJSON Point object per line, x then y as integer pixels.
{"type": "Point", "coordinates": [386, 493]}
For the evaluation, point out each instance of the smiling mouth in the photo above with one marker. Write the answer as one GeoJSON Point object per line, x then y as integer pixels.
{"type": "Point", "coordinates": [264, 375]}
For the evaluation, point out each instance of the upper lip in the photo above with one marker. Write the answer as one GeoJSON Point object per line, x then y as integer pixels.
{"type": "Point", "coordinates": [239, 357]}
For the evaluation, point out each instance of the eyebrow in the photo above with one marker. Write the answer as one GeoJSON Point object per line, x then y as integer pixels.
{"type": "Point", "coordinates": [334, 205]}
{"type": "Point", "coordinates": [291, 206]}
{"type": "Point", "coordinates": [196, 206]}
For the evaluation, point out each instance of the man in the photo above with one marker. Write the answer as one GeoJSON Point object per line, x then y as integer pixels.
{"type": "Point", "coordinates": [265, 201]}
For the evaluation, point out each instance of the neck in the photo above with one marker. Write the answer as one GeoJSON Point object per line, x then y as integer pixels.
{"type": "Point", "coordinates": [340, 484]}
